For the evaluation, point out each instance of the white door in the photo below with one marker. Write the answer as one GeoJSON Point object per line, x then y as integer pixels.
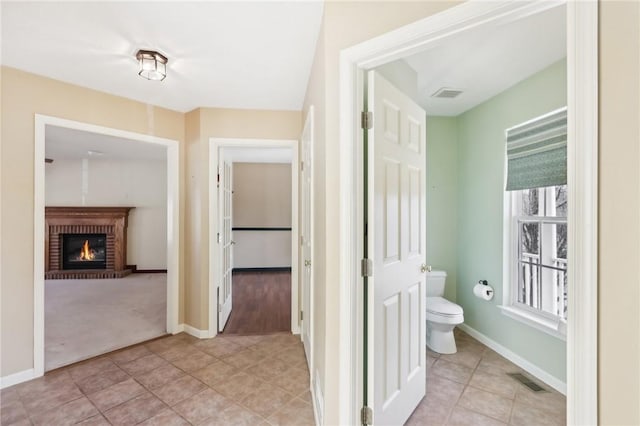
{"type": "Point", "coordinates": [225, 193]}
{"type": "Point", "coordinates": [396, 215]}
{"type": "Point", "coordinates": [307, 233]}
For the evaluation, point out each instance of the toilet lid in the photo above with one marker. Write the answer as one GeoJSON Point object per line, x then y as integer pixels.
{"type": "Point", "coordinates": [441, 306]}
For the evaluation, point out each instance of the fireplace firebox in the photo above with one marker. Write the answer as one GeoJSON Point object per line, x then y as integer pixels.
{"type": "Point", "coordinates": [85, 242]}
{"type": "Point", "coordinates": [84, 251]}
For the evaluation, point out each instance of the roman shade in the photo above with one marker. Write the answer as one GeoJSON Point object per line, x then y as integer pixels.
{"type": "Point", "coordinates": [537, 152]}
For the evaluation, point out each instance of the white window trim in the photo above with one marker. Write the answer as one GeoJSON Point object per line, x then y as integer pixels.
{"type": "Point", "coordinates": [554, 327]}
{"type": "Point", "coordinates": [557, 328]}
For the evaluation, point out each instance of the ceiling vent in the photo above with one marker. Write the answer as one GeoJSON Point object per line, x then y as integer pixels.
{"type": "Point", "coordinates": [446, 93]}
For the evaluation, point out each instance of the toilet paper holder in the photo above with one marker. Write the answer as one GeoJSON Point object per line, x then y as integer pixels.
{"type": "Point", "coordinates": [485, 282]}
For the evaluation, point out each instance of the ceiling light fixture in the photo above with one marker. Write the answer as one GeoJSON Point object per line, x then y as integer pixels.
{"type": "Point", "coordinates": [153, 65]}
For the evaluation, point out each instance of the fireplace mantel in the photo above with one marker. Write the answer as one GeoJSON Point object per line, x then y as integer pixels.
{"type": "Point", "coordinates": [111, 221]}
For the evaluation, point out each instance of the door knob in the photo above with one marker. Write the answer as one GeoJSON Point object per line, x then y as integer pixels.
{"type": "Point", "coordinates": [425, 268]}
{"type": "Point", "coordinates": [232, 242]}
{"type": "Point", "coordinates": [307, 263]}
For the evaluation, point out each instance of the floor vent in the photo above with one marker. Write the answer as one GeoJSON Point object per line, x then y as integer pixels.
{"type": "Point", "coordinates": [527, 382]}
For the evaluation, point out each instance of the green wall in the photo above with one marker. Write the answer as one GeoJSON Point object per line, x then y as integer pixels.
{"type": "Point", "coordinates": [473, 160]}
{"type": "Point", "coordinates": [442, 198]}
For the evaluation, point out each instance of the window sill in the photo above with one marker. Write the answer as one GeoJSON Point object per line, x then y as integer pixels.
{"type": "Point", "coordinates": [554, 328]}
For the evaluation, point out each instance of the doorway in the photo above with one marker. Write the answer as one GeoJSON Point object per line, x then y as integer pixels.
{"type": "Point", "coordinates": [105, 285]}
{"type": "Point", "coordinates": [255, 238]}
{"type": "Point", "coordinates": [582, 100]}
{"type": "Point", "coordinates": [115, 264]}
{"type": "Point", "coordinates": [253, 241]}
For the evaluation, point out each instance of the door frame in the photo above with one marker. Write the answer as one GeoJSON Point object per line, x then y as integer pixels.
{"type": "Point", "coordinates": [309, 316]}
{"type": "Point", "coordinates": [582, 101]}
{"type": "Point", "coordinates": [214, 252]}
{"type": "Point", "coordinates": [173, 222]}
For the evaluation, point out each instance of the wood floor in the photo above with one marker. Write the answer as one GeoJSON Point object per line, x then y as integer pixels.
{"type": "Point", "coordinates": [261, 303]}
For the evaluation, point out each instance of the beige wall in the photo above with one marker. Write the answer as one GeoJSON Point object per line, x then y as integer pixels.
{"type": "Point", "coordinates": [619, 210]}
{"type": "Point", "coordinates": [261, 199]}
{"type": "Point", "coordinates": [201, 125]}
{"type": "Point", "coordinates": [261, 195]}
{"type": "Point", "coordinates": [192, 299]}
{"type": "Point", "coordinates": [24, 95]}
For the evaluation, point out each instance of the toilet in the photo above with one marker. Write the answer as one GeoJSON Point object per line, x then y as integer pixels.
{"type": "Point", "coordinates": [442, 315]}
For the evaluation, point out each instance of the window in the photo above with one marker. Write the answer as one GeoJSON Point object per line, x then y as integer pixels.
{"type": "Point", "coordinates": [538, 257]}
{"type": "Point", "coordinates": [535, 278]}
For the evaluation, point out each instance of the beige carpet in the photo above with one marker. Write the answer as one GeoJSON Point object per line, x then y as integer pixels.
{"type": "Point", "coordinates": [85, 318]}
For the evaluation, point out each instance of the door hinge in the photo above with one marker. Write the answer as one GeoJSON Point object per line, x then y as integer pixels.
{"type": "Point", "coordinates": [219, 308]}
{"type": "Point", "coordinates": [301, 316]}
{"type": "Point", "coordinates": [302, 166]}
{"type": "Point", "coordinates": [367, 120]}
{"type": "Point", "coordinates": [301, 240]}
{"type": "Point", "coordinates": [367, 267]}
{"type": "Point", "coordinates": [218, 238]}
{"type": "Point", "coordinates": [366, 415]}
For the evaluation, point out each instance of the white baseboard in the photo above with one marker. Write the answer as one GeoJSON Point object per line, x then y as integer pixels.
{"type": "Point", "coordinates": [195, 332]}
{"type": "Point", "coordinates": [15, 378]}
{"type": "Point", "coordinates": [530, 368]}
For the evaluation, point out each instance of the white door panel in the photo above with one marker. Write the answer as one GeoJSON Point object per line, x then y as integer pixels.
{"type": "Point", "coordinates": [397, 166]}
{"type": "Point", "coordinates": [391, 219]}
{"type": "Point", "coordinates": [225, 193]}
{"type": "Point", "coordinates": [415, 212]}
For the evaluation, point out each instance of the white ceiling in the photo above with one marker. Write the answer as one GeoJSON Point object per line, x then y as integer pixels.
{"type": "Point", "coordinates": [233, 54]}
{"type": "Point", "coordinates": [488, 60]}
{"type": "Point", "coordinates": [250, 54]}
{"type": "Point", "coordinates": [62, 143]}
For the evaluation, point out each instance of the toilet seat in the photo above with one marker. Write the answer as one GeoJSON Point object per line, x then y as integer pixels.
{"type": "Point", "coordinates": [442, 307]}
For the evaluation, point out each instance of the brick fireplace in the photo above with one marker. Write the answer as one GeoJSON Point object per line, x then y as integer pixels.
{"type": "Point", "coordinates": [86, 242]}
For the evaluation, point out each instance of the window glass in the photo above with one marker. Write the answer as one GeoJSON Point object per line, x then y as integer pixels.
{"type": "Point", "coordinates": [561, 241]}
{"type": "Point", "coordinates": [561, 200]}
{"type": "Point", "coordinates": [529, 282]}
{"type": "Point", "coordinates": [530, 202]}
{"type": "Point", "coordinates": [530, 238]}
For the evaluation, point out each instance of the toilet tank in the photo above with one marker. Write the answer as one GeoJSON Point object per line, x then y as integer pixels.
{"type": "Point", "coordinates": [435, 283]}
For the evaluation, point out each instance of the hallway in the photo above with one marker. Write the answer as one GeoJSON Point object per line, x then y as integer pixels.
{"type": "Point", "coordinates": [261, 303]}
{"type": "Point", "coordinates": [174, 380]}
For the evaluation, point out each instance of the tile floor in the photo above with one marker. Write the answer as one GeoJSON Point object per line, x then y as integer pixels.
{"type": "Point", "coordinates": [259, 380]}
{"type": "Point", "coordinates": [471, 388]}
{"type": "Point", "coordinates": [175, 380]}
